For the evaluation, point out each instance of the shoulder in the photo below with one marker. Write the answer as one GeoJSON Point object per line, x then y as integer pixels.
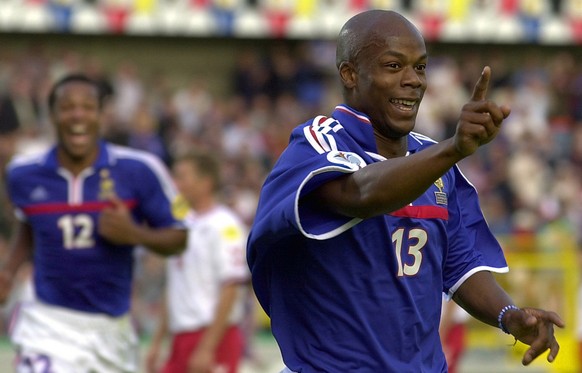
{"type": "Point", "coordinates": [320, 124]}
{"type": "Point", "coordinates": [224, 220]}
{"type": "Point", "coordinates": [228, 226]}
{"type": "Point", "coordinates": [319, 133]}
{"type": "Point", "coordinates": [223, 215]}
{"type": "Point", "coordinates": [124, 155]}
{"type": "Point", "coordinates": [25, 163]}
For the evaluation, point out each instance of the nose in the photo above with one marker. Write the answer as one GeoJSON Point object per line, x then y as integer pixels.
{"type": "Point", "coordinates": [79, 112]}
{"type": "Point", "coordinates": [410, 77]}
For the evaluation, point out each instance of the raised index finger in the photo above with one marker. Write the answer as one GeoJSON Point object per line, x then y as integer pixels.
{"type": "Point", "coordinates": [480, 90]}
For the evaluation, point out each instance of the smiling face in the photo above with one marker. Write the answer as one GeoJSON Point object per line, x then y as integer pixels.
{"type": "Point", "coordinates": [75, 112]}
{"type": "Point", "coordinates": [384, 71]}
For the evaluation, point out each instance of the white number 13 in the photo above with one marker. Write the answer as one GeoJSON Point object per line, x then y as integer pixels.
{"type": "Point", "coordinates": [418, 238]}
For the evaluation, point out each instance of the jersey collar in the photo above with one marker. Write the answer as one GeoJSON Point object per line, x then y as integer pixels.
{"type": "Point", "coordinates": [360, 128]}
{"type": "Point", "coordinates": [103, 159]}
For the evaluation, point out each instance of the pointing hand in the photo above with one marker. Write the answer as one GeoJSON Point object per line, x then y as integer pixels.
{"type": "Point", "coordinates": [480, 119]}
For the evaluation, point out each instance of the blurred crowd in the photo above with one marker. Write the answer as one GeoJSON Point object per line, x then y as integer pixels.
{"type": "Point", "coordinates": [554, 21]}
{"type": "Point", "coordinates": [528, 179]}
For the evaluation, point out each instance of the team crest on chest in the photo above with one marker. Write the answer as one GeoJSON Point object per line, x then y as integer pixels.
{"type": "Point", "coordinates": [39, 194]}
{"type": "Point", "coordinates": [106, 185]}
{"type": "Point", "coordinates": [440, 196]}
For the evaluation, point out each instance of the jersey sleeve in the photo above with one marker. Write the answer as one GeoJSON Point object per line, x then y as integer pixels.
{"type": "Point", "coordinates": [157, 195]}
{"type": "Point", "coordinates": [316, 154]}
{"type": "Point", "coordinates": [230, 251]}
{"type": "Point", "coordinates": [472, 246]}
{"type": "Point", "coordinates": [310, 219]}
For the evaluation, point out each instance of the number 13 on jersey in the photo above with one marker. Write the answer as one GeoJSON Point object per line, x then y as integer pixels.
{"type": "Point", "coordinates": [412, 242]}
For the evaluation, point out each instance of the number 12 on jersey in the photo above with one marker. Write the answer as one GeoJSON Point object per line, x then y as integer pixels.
{"type": "Point", "coordinates": [77, 231]}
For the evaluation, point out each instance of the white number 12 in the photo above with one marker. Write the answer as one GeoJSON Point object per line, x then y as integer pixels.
{"type": "Point", "coordinates": [81, 240]}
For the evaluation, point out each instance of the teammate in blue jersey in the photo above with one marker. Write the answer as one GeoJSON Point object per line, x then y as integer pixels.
{"type": "Point", "coordinates": [363, 224]}
{"type": "Point", "coordinates": [83, 206]}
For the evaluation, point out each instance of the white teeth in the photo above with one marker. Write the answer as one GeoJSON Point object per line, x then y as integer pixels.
{"type": "Point", "coordinates": [78, 129]}
{"type": "Point", "coordinates": [402, 102]}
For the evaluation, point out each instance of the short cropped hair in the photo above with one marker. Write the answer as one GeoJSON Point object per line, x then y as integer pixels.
{"type": "Point", "coordinates": [77, 77]}
{"type": "Point", "coordinates": [206, 164]}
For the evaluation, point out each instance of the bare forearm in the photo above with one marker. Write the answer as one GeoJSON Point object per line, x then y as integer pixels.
{"type": "Point", "coordinates": [165, 242]}
{"type": "Point", "coordinates": [387, 186]}
{"type": "Point", "coordinates": [20, 250]}
{"type": "Point", "coordinates": [162, 327]}
{"type": "Point", "coordinates": [215, 331]}
{"type": "Point", "coordinates": [482, 297]}
{"type": "Point", "coordinates": [399, 181]}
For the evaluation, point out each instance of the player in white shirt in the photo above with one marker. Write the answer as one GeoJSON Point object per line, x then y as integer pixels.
{"type": "Point", "coordinates": [206, 285]}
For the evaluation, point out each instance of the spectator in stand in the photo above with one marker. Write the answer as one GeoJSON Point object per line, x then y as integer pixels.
{"type": "Point", "coordinates": [129, 93]}
{"type": "Point", "coordinates": [145, 134]}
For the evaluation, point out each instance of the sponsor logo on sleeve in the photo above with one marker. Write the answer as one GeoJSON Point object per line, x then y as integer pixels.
{"type": "Point", "coordinates": [348, 160]}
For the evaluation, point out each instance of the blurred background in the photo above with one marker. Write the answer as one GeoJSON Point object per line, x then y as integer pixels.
{"type": "Point", "coordinates": [235, 76]}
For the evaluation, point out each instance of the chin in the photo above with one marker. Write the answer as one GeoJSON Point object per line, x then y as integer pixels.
{"type": "Point", "coordinates": [400, 129]}
{"type": "Point", "coordinates": [77, 154]}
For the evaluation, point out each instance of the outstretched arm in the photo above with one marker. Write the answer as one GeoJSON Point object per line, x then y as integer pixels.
{"type": "Point", "coordinates": [152, 360]}
{"type": "Point", "coordinates": [484, 299]}
{"type": "Point", "coordinates": [117, 225]}
{"type": "Point", "coordinates": [387, 186]}
{"type": "Point", "coordinates": [202, 358]}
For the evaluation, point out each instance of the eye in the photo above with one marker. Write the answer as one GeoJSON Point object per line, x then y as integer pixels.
{"type": "Point", "coordinates": [421, 67]}
{"type": "Point", "coordinates": [64, 106]}
{"type": "Point", "coordinates": [90, 106]}
{"type": "Point", "coordinates": [392, 65]}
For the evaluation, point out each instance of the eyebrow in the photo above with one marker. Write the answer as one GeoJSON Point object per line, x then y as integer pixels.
{"type": "Point", "coordinates": [400, 55]}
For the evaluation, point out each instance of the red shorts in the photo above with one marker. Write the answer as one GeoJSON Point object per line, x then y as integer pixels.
{"type": "Point", "coordinates": [228, 352]}
{"type": "Point", "coordinates": [455, 342]}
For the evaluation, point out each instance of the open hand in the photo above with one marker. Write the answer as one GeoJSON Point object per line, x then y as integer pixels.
{"type": "Point", "coordinates": [535, 328]}
{"type": "Point", "coordinates": [116, 223]}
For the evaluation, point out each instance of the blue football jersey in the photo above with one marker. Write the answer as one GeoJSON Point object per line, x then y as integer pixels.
{"type": "Point", "coordinates": [346, 294]}
{"type": "Point", "coordinates": [74, 267]}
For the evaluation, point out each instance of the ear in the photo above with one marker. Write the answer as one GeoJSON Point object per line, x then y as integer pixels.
{"type": "Point", "coordinates": [347, 72]}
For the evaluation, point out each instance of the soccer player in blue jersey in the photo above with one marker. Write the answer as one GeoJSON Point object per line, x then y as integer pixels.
{"type": "Point", "coordinates": [83, 206]}
{"type": "Point", "coordinates": [363, 224]}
